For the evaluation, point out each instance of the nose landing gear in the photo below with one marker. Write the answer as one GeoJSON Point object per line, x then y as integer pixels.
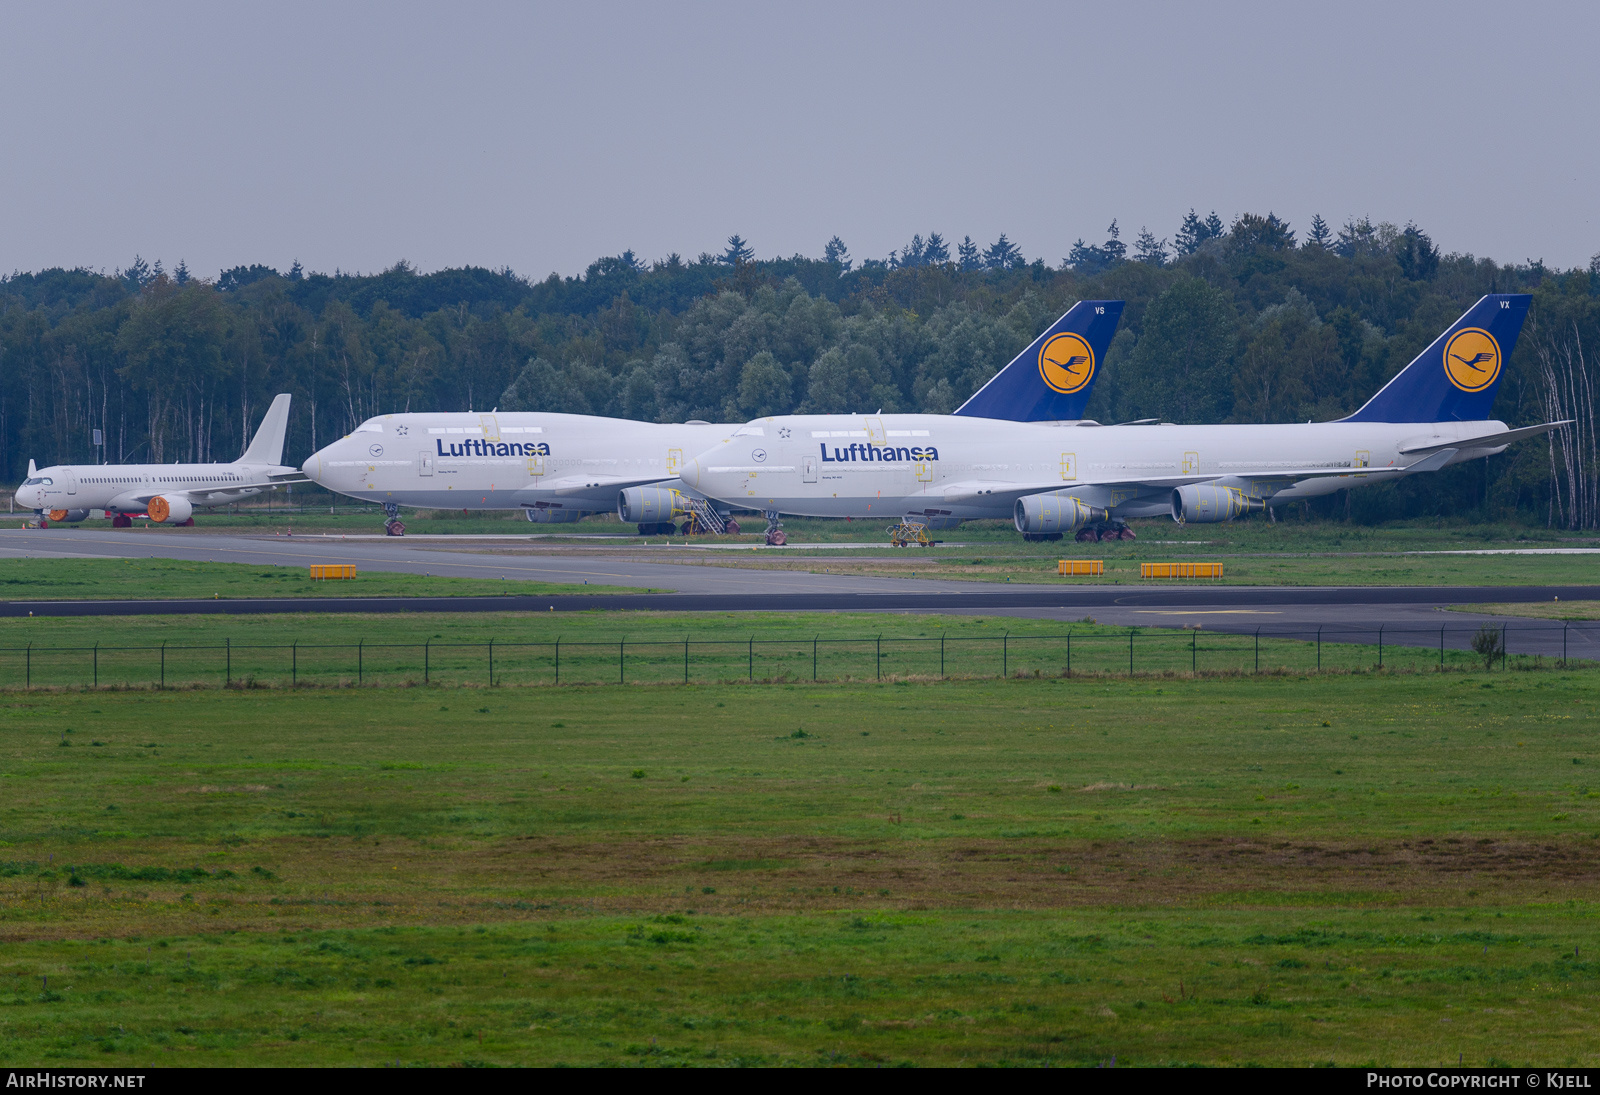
{"type": "Point", "coordinates": [393, 526]}
{"type": "Point", "coordinates": [775, 536]}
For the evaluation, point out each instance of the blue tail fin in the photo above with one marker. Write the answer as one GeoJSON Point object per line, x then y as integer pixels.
{"type": "Point", "coordinates": [1454, 379]}
{"type": "Point", "coordinates": [1052, 379]}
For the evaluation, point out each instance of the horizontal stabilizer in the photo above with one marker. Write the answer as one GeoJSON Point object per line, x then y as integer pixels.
{"type": "Point", "coordinates": [1490, 440]}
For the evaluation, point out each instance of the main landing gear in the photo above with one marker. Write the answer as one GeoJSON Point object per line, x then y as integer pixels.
{"type": "Point", "coordinates": [393, 526]}
{"type": "Point", "coordinates": [1105, 530]}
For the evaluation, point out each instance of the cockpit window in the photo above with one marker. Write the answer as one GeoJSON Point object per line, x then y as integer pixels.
{"type": "Point", "coordinates": [373, 426]}
{"type": "Point", "coordinates": [749, 431]}
{"type": "Point", "coordinates": [40, 481]}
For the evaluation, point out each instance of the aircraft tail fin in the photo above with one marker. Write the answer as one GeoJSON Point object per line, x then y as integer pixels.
{"type": "Point", "coordinates": [1052, 379]}
{"type": "Point", "coordinates": [32, 471]}
{"type": "Point", "coordinates": [266, 447]}
{"type": "Point", "coordinates": [1455, 378]}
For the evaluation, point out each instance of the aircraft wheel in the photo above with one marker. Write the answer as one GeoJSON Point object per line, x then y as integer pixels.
{"type": "Point", "coordinates": [1126, 533]}
{"type": "Point", "coordinates": [394, 527]}
{"type": "Point", "coordinates": [777, 538]}
{"type": "Point", "coordinates": [733, 527]}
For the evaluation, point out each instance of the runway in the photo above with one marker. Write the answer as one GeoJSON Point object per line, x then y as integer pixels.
{"type": "Point", "coordinates": [1408, 615]}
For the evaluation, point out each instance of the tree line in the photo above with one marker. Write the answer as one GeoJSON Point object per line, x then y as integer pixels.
{"type": "Point", "coordinates": [1244, 322]}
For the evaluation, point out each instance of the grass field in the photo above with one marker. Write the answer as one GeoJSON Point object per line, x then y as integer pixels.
{"type": "Point", "coordinates": [1544, 610]}
{"type": "Point", "coordinates": [165, 579]}
{"type": "Point", "coordinates": [602, 646]}
{"type": "Point", "coordinates": [1362, 868]}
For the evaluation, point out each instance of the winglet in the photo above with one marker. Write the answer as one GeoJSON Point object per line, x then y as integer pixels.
{"type": "Point", "coordinates": [1052, 379]}
{"type": "Point", "coordinates": [1455, 378]}
{"type": "Point", "coordinates": [266, 447]}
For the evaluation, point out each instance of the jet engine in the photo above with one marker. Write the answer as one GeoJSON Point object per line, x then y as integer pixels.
{"type": "Point", "coordinates": [649, 505]}
{"type": "Point", "coordinates": [60, 515]}
{"type": "Point", "coordinates": [173, 510]}
{"type": "Point", "coordinates": [553, 515]}
{"type": "Point", "coordinates": [1045, 514]}
{"type": "Point", "coordinates": [1207, 503]}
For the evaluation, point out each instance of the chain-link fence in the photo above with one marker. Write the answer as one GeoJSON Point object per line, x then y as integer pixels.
{"type": "Point", "coordinates": [1075, 651]}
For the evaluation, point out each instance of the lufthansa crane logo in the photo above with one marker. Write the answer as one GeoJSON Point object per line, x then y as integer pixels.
{"type": "Point", "coordinates": [1066, 363]}
{"type": "Point", "coordinates": [1472, 359]}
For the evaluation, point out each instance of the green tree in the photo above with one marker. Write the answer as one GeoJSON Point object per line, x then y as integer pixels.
{"type": "Point", "coordinates": [1179, 369]}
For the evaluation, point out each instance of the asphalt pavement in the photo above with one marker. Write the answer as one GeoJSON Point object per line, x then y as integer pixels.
{"type": "Point", "coordinates": [1408, 615]}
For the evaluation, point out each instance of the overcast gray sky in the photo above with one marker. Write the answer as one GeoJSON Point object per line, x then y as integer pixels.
{"type": "Point", "coordinates": [541, 136]}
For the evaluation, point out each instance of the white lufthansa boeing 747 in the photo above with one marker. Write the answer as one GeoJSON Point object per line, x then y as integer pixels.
{"type": "Point", "coordinates": [1051, 479]}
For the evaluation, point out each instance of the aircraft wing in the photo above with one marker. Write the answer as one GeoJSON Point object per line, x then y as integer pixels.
{"type": "Point", "coordinates": [200, 495]}
{"type": "Point", "coordinates": [1489, 440]}
{"type": "Point", "coordinates": [582, 484]}
{"type": "Point", "coordinates": [1280, 477]}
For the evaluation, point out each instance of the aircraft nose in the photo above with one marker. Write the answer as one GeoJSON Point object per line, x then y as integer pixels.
{"type": "Point", "coordinates": [313, 467]}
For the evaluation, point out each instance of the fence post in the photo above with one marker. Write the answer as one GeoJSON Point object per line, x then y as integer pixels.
{"type": "Point", "coordinates": [1319, 648]}
{"type": "Point", "coordinates": [426, 666]}
{"type": "Point", "coordinates": [558, 659]}
{"type": "Point", "coordinates": [97, 660]}
{"type": "Point", "coordinates": [163, 665]}
{"type": "Point", "coordinates": [1130, 651]}
{"type": "Point", "coordinates": [1194, 652]}
{"type": "Point", "coordinates": [1380, 646]}
{"type": "Point", "coordinates": [294, 664]}
{"type": "Point", "coordinates": [1504, 653]}
{"type": "Point", "coordinates": [1441, 646]}
{"type": "Point", "coordinates": [1564, 626]}
{"type": "Point", "coordinates": [880, 657]}
{"type": "Point", "coordinates": [622, 672]}
{"type": "Point", "coordinates": [227, 673]}
{"type": "Point", "coordinates": [813, 659]}
{"type": "Point", "coordinates": [941, 655]}
{"type": "Point", "coordinates": [1258, 650]}
{"type": "Point", "coordinates": [27, 672]}
{"type": "Point", "coordinates": [1069, 651]}
{"type": "Point", "coordinates": [686, 659]}
{"type": "Point", "coordinates": [750, 659]}
{"type": "Point", "coordinates": [360, 659]}
{"type": "Point", "coordinates": [491, 663]}
{"type": "Point", "coordinates": [1005, 653]}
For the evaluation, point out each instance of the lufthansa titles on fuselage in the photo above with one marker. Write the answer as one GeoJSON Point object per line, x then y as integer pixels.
{"type": "Point", "coordinates": [473, 446]}
{"type": "Point", "coordinates": [871, 453]}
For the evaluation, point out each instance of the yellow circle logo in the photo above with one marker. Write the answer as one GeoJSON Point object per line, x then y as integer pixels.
{"type": "Point", "coordinates": [1066, 363]}
{"type": "Point", "coordinates": [1472, 359]}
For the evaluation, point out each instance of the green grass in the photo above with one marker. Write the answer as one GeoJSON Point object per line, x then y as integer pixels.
{"type": "Point", "coordinates": [166, 579]}
{"type": "Point", "coordinates": [604, 646]}
{"type": "Point", "coordinates": [1283, 870]}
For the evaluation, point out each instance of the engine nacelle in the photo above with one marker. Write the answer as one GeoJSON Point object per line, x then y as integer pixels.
{"type": "Point", "coordinates": [553, 515]}
{"type": "Point", "coordinates": [169, 510]}
{"type": "Point", "coordinates": [1207, 503]}
{"type": "Point", "coordinates": [1046, 513]}
{"type": "Point", "coordinates": [649, 505]}
{"type": "Point", "coordinates": [60, 515]}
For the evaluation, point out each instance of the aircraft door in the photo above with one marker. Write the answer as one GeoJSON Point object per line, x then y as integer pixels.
{"type": "Point", "coordinates": [1069, 465]}
{"type": "Point", "coordinates": [875, 432]}
{"type": "Point", "coordinates": [924, 472]}
{"type": "Point", "coordinates": [1363, 459]}
{"type": "Point", "coordinates": [674, 461]}
{"type": "Point", "coordinates": [1191, 463]}
{"type": "Point", "coordinates": [808, 469]}
{"type": "Point", "coordinates": [424, 462]}
{"type": "Point", "coordinates": [491, 427]}
{"type": "Point", "coordinates": [536, 465]}
{"type": "Point", "coordinates": [72, 481]}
